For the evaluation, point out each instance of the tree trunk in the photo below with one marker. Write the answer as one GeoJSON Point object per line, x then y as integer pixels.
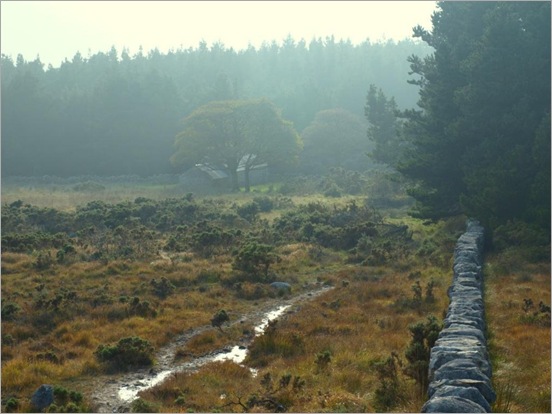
{"type": "Point", "coordinates": [246, 178]}
{"type": "Point", "coordinates": [234, 177]}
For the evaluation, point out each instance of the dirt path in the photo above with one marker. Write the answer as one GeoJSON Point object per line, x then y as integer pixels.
{"type": "Point", "coordinates": [114, 393]}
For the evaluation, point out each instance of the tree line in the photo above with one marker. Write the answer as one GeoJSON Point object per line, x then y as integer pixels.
{"type": "Point", "coordinates": [479, 141]}
{"type": "Point", "coordinates": [112, 113]}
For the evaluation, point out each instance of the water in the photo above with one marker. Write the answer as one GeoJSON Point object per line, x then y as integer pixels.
{"type": "Point", "coordinates": [129, 392]}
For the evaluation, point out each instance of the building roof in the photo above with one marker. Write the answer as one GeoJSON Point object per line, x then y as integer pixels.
{"type": "Point", "coordinates": [213, 172]}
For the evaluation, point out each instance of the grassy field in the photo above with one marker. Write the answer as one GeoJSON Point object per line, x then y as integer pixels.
{"type": "Point", "coordinates": [341, 352]}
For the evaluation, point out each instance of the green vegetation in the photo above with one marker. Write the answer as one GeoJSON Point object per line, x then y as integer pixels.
{"type": "Point", "coordinates": [480, 142]}
{"type": "Point", "coordinates": [111, 114]}
{"type": "Point", "coordinates": [130, 299]}
{"type": "Point", "coordinates": [237, 134]}
{"type": "Point", "coordinates": [99, 272]}
{"type": "Point", "coordinates": [126, 353]}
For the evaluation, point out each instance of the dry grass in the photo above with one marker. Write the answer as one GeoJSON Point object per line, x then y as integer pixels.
{"type": "Point", "coordinates": [63, 197]}
{"type": "Point", "coordinates": [520, 344]}
{"type": "Point", "coordinates": [358, 323]}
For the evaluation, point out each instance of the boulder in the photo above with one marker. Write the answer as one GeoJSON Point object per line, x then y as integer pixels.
{"type": "Point", "coordinates": [482, 386]}
{"type": "Point", "coordinates": [450, 372]}
{"type": "Point", "coordinates": [281, 286]}
{"type": "Point", "coordinates": [464, 332]}
{"type": "Point", "coordinates": [468, 363]}
{"type": "Point", "coordinates": [466, 320]}
{"type": "Point", "coordinates": [452, 404]}
{"type": "Point", "coordinates": [443, 354]}
{"type": "Point", "coordinates": [470, 393]}
{"type": "Point", "coordinates": [462, 267]}
{"type": "Point", "coordinates": [43, 397]}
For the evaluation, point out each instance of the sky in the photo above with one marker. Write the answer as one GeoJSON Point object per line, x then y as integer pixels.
{"type": "Point", "coordinates": [56, 30]}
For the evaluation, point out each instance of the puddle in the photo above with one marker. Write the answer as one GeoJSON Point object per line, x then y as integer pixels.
{"type": "Point", "coordinates": [129, 392]}
{"type": "Point", "coordinates": [270, 316]}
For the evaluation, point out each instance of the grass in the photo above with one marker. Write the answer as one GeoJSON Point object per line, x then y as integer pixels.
{"type": "Point", "coordinates": [63, 197]}
{"type": "Point", "coordinates": [348, 330]}
{"type": "Point", "coordinates": [519, 345]}
{"type": "Point", "coordinates": [356, 323]}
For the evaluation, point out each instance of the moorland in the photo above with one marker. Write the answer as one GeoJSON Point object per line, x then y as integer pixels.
{"type": "Point", "coordinates": [94, 283]}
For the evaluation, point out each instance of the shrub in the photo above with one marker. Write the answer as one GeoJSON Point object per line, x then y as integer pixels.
{"type": "Point", "coordinates": [9, 311]}
{"type": "Point", "coordinates": [142, 406]}
{"type": "Point", "coordinates": [66, 250]}
{"type": "Point", "coordinates": [67, 401]}
{"type": "Point", "coordinates": [265, 204]}
{"type": "Point", "coordinates": [141, 308]}
{"type": "Point", "coordinates": [163, 287]}
{"type": "Point", "coordinates": [417, 354]}
{"type": "Point", "coordinates": [388, 394]}
{"type": "Point", "coordinates": [323, 359]}
{"type": "Point", "coordinates": [274, 397]}
{"type": "Point", "coordinates": [11, 405]}
{"type": "Point", "coordinates": [89, 186]}
{"type": "Point", "coordinates": [43, 261]}
{"type": "Point", "coordinates": [219, 318]}
{"type": "Point", "coordinates": [539, 317]}
{"type": "Point", "coordinates": [254, 258]}
{"type": "Point", "coordinates": [249, 211]}
{"type": "Point", "coordinates": [128, 352]}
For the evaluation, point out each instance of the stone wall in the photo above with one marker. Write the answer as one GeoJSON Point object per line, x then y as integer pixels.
{"type": "Point", "coordinates": [459, 366]}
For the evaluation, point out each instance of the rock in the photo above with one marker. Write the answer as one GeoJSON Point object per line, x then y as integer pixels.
{"type": "Point", "coordinates": [452, 404]}
{"type": "Point", "coordinates": [459, 367]}
{"type": "Point", "coordinates": [449, 371]}
{"type": "Point", "coordinates": [281, 286]}
{"type": "Point", "coordinates": [43, 397]}
{"type": "Point", "coordinates": [470, 393]}
{"type": "Point", "coordinates": [466, 267]}
{"type": "Point", "coordinates": [463, 331]}
{"type": "Point", "coordinates": [482, 386]}
{"type": "Point", "coordinates": [464, 320]}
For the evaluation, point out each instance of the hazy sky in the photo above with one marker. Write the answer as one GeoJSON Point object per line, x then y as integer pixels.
{"type": "Point", "coordinates": [56, 30]}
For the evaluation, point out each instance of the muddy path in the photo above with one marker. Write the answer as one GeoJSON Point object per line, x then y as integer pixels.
{"type": "Point", "coordinates": [115, 393]}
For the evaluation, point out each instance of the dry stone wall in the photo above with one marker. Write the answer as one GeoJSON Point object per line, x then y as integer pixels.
{"type": "Point", "coordinates": [459, 366]}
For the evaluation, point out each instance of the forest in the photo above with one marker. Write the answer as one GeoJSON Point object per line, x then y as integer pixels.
{"type": "Point", "coordinates": [157, 207]}
{"type": "Point", "coordinates": [115, 114]}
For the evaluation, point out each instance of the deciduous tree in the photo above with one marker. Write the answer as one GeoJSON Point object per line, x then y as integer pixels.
{"type": "Point", "coordinates": [234, 133]}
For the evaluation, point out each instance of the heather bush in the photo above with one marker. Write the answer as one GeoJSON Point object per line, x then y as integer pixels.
{"type": "Point", "coordinates": [126, 353]}
{"type": "Point", "coordinates": [423, 337]}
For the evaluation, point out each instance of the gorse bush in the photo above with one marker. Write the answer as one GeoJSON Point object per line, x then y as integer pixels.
{"type": "Point", "coordinates": [127, 352]}
{"type": "Point", "coordinates": [423, 337]}
{"type": "Point", "coordinates": [162, 287]}
{"type": "Point", "coordinates": [219, 319]}
{"type": "Point", "coordinates": [9, 311]}
{"type": "Point", "coordinates": [388, 393]}
{"type": "Point", "coordinates": [254, 259]}
{"type": "Point", "coordinates": [67, 401]}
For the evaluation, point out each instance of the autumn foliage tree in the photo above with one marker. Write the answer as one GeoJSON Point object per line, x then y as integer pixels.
{"type": "Point", "coordinates": [236, 133]}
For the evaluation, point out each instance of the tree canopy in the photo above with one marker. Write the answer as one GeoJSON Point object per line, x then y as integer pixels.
{"type": "Point", "coordinates": [111, 113]}
{"type": "Point", "coordinates": [477, 143]}
{"type": "Point", "coordinates": [335, 138]}
{"type": "Point", "coordinates": [381, 112]}
{"type": "Point", "coordinates": [237, 133]}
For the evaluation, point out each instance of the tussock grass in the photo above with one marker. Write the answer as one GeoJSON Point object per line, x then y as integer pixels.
{"type": "Point", "coordinates": [332, 343]}
{"type": "Point", "coordinates": [519, 345]}
{"type": "Point", "coordinates": [355, 323]}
